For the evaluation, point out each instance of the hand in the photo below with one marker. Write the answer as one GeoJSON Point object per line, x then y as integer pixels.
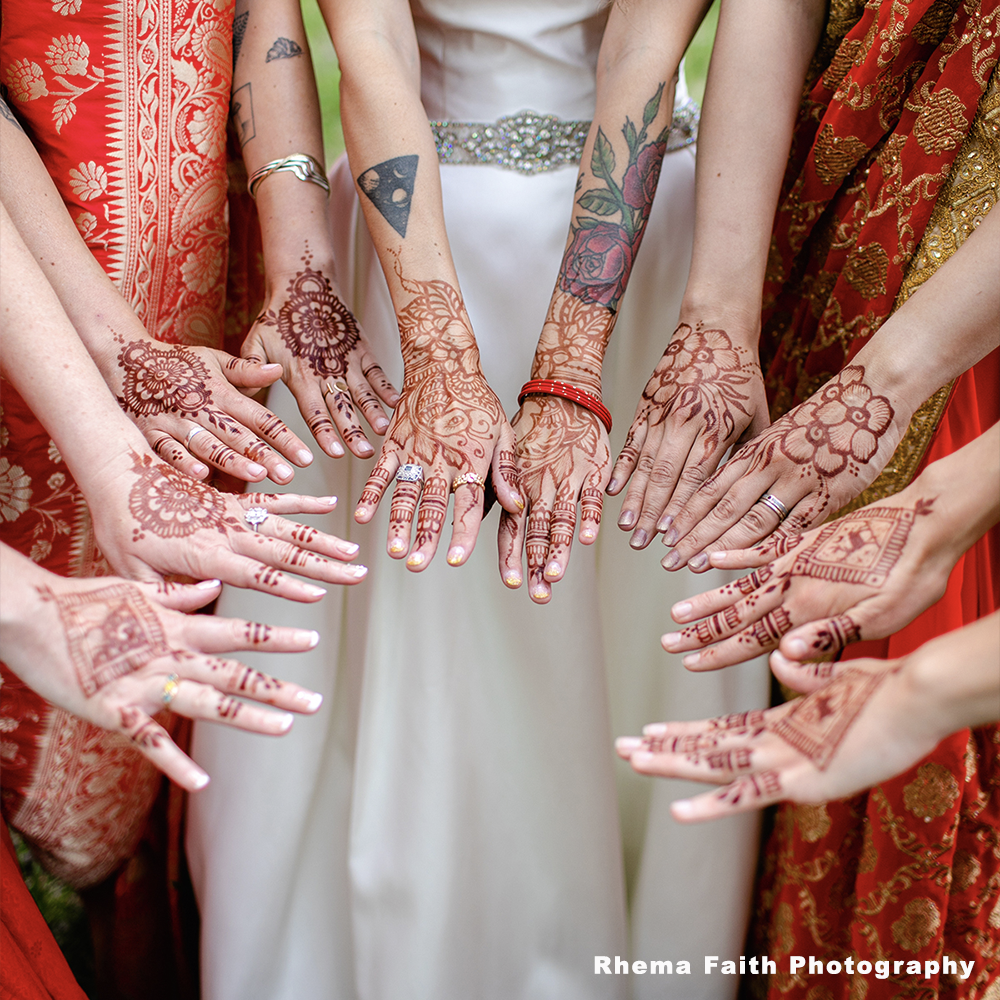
{"type": "Point", "coordinates": [107, 651]}
{"type": "Point", "coordinates": [816, 458]}
{"type": "Point", "coordinates": [564, 459]}
{"type": "Point", "coordinates": [865, 726]}
{"type": "Point", "coordinates": [865, 575]}
{"type": "Point", "coordinates": [448, 422]}
{"type": "Point", "coordinates": [327, 362]}
{"type": "Point", "coordinates": [152, 521]}
{"type": "Point", "coordinates": [706, 392]}
{"type": "Point", "coordinates": [188, 404]}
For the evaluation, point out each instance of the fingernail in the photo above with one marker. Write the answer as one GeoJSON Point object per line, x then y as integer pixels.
{"type": "Point", "coordinates": [365, 450]}
{"type": "Point", "coordinates": [349, 548]}
{"type": "Point", "coordinates": [337, 449]}
{"type": "Point", "coordinates": [329, 501]}
{"type": "Point", "coordinates": [699, 561]}
{"type": "Point", "coordinates": [655, 729]}
{"type": "Point", "coordinates": [358, 571]}
{"type": "Point", "coordinates": [670, 538]}
{"type": "Point", "coordinates": [512, 580]}
{"type": "Point", "coordinates": [797, 647]}
{"type": "Point", "coordinates": [670, 560]}
{"type": "Point", "coordinates": [612, 485]}
{"type": "Point", "coordinates": [641, 758]}
{"type": "Point", "coordinates": [311, 699]}
{"type": "Point", "coordinates": [258, 470]}
{"type": "Point", "coordinates": [285, 720]}
{"type": "Point", "coordinates": [270, 367]}
{"type": "Point", "coordinates": [198, 470]}
{"type": "Point", "coordinates": [283, 471]}
{"type": "Point", "coordinates": [665, 523]}
{"type": "Point", "coordinates": [304, 456]}
{"type": "Point", "coordinates": [638, 539]}
{"type": "Point", "coordinates": [626, 519]}
{"type": "Point", "coordinates": [670, 640]}
{"type": "Point", "coordinates": [308, 636]}
{"type": "Point", "coordinates": [314, 591]}
{"type": "Point", "coordinates": [360, 512]}
{"type": "Point", "coordinates": [540, 593]}
{"type": "Point", "coordinates": [587, 535]}
{"type": "Point", "coordinates": [518, 502]}
{"type": "Point", "coordinates": [682, 808]}
{"type": "Point", "coordinates": [692, 660]}
{"type": "Point", "coordinates": [381, 425]}
{"type": "Point", "coordinates": [455, 555]}
{"type": "Point", "coordinates": [208, 584]}
{"type": "Point", "coordinates": [553, 569]}
{"type": "Point", "coordinates": [417, 559]}
{"type": "Point", "coordinates": [201, 781]}
{"type": "Point", "coordinates": [628, 743]}
{"type": "Point", "coordinates": [396, 546]}
{"type": "Point", "coordinates": [681, 610]}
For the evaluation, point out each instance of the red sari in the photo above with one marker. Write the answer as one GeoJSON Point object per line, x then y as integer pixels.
{"type": "Point", "coordinates": [880, 188]}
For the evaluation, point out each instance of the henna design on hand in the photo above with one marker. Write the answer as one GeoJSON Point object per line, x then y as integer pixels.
{"type": "Point", "coordinates": [738, 759]}
{"type": "Point", "coordinates": [572, 343]}
{"type": "Point", "coordinates": [840, 631]}
{"type": "Point", "coordinates": [766, 632]}
{"type": "Point", "coordinates": [141, 729]}
{"type": "Point", "coordinates": [818, 723]}
{"type": "Point", "coordinates": [751, 723]}
{"type": "Point", "coordinates": [110, 632]}
{"type": "Point", "coordinates": [314, 323]}
{"type": "Point", "coordinates": [433, 510]}
{"type": "Point", "coordinates": [228, 707]}
{"type": "Point", "coordinates": [252, 681]}
{"type": "Point", "coordinates": [751, 787]}
{"type": "Point", "coordinates": [702, 376]}
{"type": "Point", "coordinates": [562, 524]}
{"type": "Point", "coordinates": [692, 743]}
{"type": "Point", "coordinates": [715, 627]}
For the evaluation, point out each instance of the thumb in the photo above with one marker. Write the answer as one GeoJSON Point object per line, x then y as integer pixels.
{"type": "Point", "coordinates": [803, 677]}
{"type": "Point", "coordinates": [825, 637]}
{"type": "Point", "coordinates": [250, 372]}
{"type": "Point", "coordinates": [506, 475]}
{"type": "Point", "coordinates": [186, 596]}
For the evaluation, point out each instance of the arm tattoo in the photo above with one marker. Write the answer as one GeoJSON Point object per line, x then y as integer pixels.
{"type": "Point", "coordinates": [9, 115]}
{"type": "Point", "coordinates": [242, 113]}
{"type": "Point", "coordinates": [110, 632]}
{"type": "Point", "coordinates": [389, 187]}
{"type": "Point", "coordinates": [283, 48]}
{"type": "Point", "coordinates": [239, 30]}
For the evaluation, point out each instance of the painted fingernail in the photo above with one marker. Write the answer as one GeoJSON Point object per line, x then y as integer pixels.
{"type": "Point", "coordinates": [670, 640]}
{"type": "Point", "coordinates": [796, 647]}
{"type": "Point", "coordinates": [700, 561]}
{"type": "Point", "coordinates": [540, 593]}
{"type": "Point", "coordinates": [285, 720]}
{"type": "Point", "coordinates": [665, 522]}
{"type": "Point", "coordinates": [304, 456]}
{"type": "Point", "coordinates": [358, 571]}
{"type": "Point", "coordinates": [208, 584]}
{"type": "Point", "coordinates": [349, 548]}
{"type": "Point", "coordinates": [417, 559]}
{"type": "Point", "coordinates": [360, 512]}
{"type": "Point", "coordinates": [655, 729]}
{"type": "Point", "coordinates": [199, 471]}
{"type": "Point", "coordinates": [310, 699]}
{"type": "Point", "coordinates": [283, 471]}
{"type": "Point", "coordinates": [308, 637]}
{"type": "Point", "coordinates": [397, 546]}
{"type": "Point", "coordinates": [693, 660]}
{"type": "Point", "coordinates": [681, 610]}
{"type": "Point", "coordinates": [314, 591]}
{"type": "Point", "coordinates": [518, 502]}
{"type": "Point", "coordinates": [200, 781]}
{"type": "Point", "coordinates": [455, 555]}
{"type": "Point", "coordinates": [612, 485]}
{"type": "Point", "coordinates": [329, 501]}
{"type": "Point", "coordinates": [512, 579]}
{"type": "Point", "coordinates": [626, 519]}
{"type": "Point", "coordinates": [638, 539]}
{"type": "Point", "coordinates": [553, 569]}
{"type": "Point", "coordinates": [587, 535]}
{"type": "Point", "coordinates": [628, 743]}
{"type": "Point", "coordinates": [670, 560]}
{"type": "Point", "coordinates": [258, 470]}
{"type": "Point", "coordinates": [670, 538]}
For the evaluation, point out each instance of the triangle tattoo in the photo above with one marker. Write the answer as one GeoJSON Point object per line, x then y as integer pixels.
{"type": "Point", "coordinates": [389, 187]}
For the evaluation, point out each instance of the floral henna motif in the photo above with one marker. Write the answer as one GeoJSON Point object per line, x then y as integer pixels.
{"type": "Point", "coordinates": [110, 633]}
{"type": "Point", "coordinates": [162, 380]}
{"type": "Point", "coordinates": [818, 723]}
{"type": "Point", "coordinates": [702, 376]}
{"type": "Point", "coordinates": [168, 504]}
{"type": "Point", "coordinates": [313, 322]}
{"type": "Point", "coordinates": [574, 338]}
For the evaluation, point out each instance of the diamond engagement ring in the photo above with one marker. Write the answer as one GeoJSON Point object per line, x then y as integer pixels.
{"type": "Point", "coordinates": [468, 479]}
{"type": "Point", "coordinates": [170, 689]}
{"type": "Point", "coordinates": [256, 516]}
{"type": "Point", "coordinates": [410, 474]}
{"type": "Point", "coordinates": [772, 503]}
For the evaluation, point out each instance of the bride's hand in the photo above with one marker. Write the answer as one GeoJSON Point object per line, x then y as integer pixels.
{"type": "Point", "coordinates": [705, 393]}
{"type": "Point", "coordinates": [564, 461]}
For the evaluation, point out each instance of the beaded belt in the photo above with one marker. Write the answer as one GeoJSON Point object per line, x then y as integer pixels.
{"type": "Point", "coordinates": [531, 143]}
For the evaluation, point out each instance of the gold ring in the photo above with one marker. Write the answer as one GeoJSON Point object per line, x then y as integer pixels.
{"type": "Point", "coordinates": [468, 479]}
{"type": "Point", "coordinates": [170, 689]}
{"type": "Point", "coordinates": [334, 385]}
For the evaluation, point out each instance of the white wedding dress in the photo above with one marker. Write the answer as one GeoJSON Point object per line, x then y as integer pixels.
{"type": "Point", "coordinates": [447, 827]}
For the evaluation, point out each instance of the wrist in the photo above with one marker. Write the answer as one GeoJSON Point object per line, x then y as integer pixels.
{"type": "Point", "coordinates": [715, 309]}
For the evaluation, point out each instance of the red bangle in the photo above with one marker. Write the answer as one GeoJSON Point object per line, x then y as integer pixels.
{"type": "Point", "coordinates": [550, 387]}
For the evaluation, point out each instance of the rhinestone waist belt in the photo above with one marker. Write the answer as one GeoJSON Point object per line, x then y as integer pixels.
{"type": "Point", "coordinates": [531, 143]}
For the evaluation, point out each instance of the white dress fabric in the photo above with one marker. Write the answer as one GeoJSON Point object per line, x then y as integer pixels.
{"type": "Point", "coordinates": [447, 827]}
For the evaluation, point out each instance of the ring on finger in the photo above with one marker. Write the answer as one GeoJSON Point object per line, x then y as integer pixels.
{"type": "Point", "coordinates": [170, 689]}
{"type": "Point", "coordinates": [256, 516]}
{"type": "Point", "coordinates": [410, 474]}
{"type": "Point", "coordinates": [772, 503]}
{"type": "Point", "coordinates": [468, 479]}
{"type": "Point", "coordinates": [193, 433]}
{"type": "Point", "coordinates": [334, 385]}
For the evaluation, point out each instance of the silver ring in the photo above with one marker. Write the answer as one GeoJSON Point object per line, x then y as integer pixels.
{"type": "Point", "coordinates": [190, 434]}
{"type": "Point", "coordinates": [772, 503]}
{"type": "Point", "coordinates": [170, 689]}
{"type": "Point", "coordinates": [256, 516]}
{"type": "Point", "coordinates": [410, 474]}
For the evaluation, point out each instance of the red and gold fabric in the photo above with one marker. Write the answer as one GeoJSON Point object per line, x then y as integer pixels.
{"type": "Point", "coordinates": [896, 157]}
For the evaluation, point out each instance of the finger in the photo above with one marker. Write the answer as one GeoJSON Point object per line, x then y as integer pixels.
{"type": "Point", "coordinates": [430, 521]}
{"type": "Point", "coordinates": [404, 506]}
{"type": "Point", "coordinates": [639, 482]}
{"type": "Point", "coordinates": [233, 677]}
{"type": "Point", "coordinates": [779, 543]}
{"type": "Point", "coordinates": [722, 597]}
{"type": "Point", "coordinates": [367, 401]}
{"type": "Point", "coordinates": [626, 461]}
{"type": "Point", "coordinates": [155, 742]}
{"type": "Point", "coordinates": [803, 677]}
{"type": "Point", "coordinates": [211, 634]}
{"type": "Point", "coordinates": [261, 421]}
{"type": "Point", "coordinates": [377, 379]}
{"type": "Point", "coordinates": [825, 638]}
{"type": "Point", "coordinates": [241, 571]}
{"type": "Point", "coordinates": [202, 701]}
{"type": "Point", "coordinates": [208, 447]}
{"type": "Point", "coordinates": [562, 527]}
{"type": "Point", "coordinates": [288, 556]}
{"type": "Point", "coordinates": [716, 766]}
{"type": "Point", "coordinates": [761, 636]}
{"type": "Point", "coordinates": [506, 473]}
{"type": "Point", "coordinates": [175, 454]}
{"type": "Point", "coordinates": [510, 542]}
{"type": "Point", "coordinates": [591, 507]}
{"type": "Point", "coordinates": [287, 503]}
{"type": "Point", "coordinates": [385, 468]}
{"type": "Point", "coordinates": [311, 539]}
{"type": "Point", "coordinates": [675, 473]}
{"type": "Point", "coordinates": [184, 596]}
{"type": "Point", "coordinates": [247, 372]}
{"type": "Point", "coordinates": [340, 405]}
{"type": "Point", "coordinates": [468, 516]}
{"type": "Point", "coordinates": [312, 405]}
{"type": "Point", "coordinates": [752, 791]}
{"type": "Point", "coordinates": [537, 546]}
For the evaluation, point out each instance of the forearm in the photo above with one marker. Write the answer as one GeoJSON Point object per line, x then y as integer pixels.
{"type": "Point", "coordinates": [759, 61]}
{"type": "Point", "coordinates": [275, 110]}
{"type": "Point", "coordinates": [637, 70]}
{"type": "Point", "coordinates": [945, 327]}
